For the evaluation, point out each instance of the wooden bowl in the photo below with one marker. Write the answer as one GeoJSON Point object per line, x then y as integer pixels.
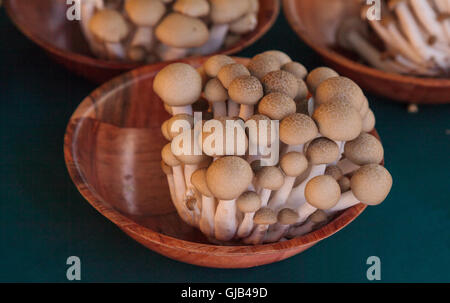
{"type": "Point", "coordinates": [112, 149]}
{"type": "Point", "coordinates": [316, 23]}
{"type": "Point", "coordinates": [45, 23]}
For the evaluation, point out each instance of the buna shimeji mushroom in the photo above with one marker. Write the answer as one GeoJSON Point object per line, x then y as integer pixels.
{"type": "Point", "coordinates": [365, 149]}
{"type": "Point", "coordinates": [217, 95]}
{"type": "Point", "coordinates": [206, 224]}
{"type": "Point", "coordinates": [145, 14]}
{"type": "Point", "coordinates": [317, 76]}
{"type": "Point", "coordinates": [317, 219]}
{"type": "Point", "coordinates": [227, 74]}
{"type": "Point", "coordinates": [262, 64]}
{"type": "Point", "coordinates": [370, 184]}
{"type": "Point", "coordinates": [88, 9]}
{"type": "Point", "coordinates": [179, 85]}
{"type": "Point", "coordinates": [263, 218]}
{"type": "Point", "coordinates": [286, 217]}
{"type": "Point", "coordinates": [248, 203]}
{"type": "Point", "coordinates": [268, 179]}
{"type": "Point", "coordinates": [277, 106]}
{"type": "Point", "coordinates": [177, 124]}
{"type": "Point", "coordinates": [170, 181]}
{"type": "Point", "coordinates": [246, 91]}
{"type": "Point", "coordinates": [227, 178]}
{"type": "Point", "coordinates": [178, 33]}
{"type": "Point", "coordinates": [282, 57]}
{"type": "Point", "coordinates": [295, 68]}
{"type": "Point", "coordinates": [296, 130]}
{"type": "Point", "coordinates": [282, 82]}
{"type": "Point", "coordinates": [110, 28]}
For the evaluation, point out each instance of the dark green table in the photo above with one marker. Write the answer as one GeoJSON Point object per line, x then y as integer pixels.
{"type": "Point", "coordinates": [44, 220]}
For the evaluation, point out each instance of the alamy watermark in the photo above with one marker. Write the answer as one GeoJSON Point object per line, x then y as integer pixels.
{"type": "Point", "coordinates": [373, 273]}
{"type": "Point", "coordinates": [374, 11]}
{"type": "Point", "coordinates": [73, 272]}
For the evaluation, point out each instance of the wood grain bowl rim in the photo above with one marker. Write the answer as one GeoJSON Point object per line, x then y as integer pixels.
{"type": "Point", "coordinates": [142, 232]}
{"type": "Point", "coordinates": [351, 64]}
{"type": "Point", "coordinates": [248, 40]}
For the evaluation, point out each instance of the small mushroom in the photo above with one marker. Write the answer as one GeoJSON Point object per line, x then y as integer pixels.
{"type": "Point", "coordinates": [286, 217]}
{"type": "Point", "coordinates": [319, 217]}
{"type": "Point", "coordinates": [215, 63]}
{"type": "Point", "coordinates": [245, 24]}
{"type": "Point", "coordinates": [277, 106]}
{"type": "Point", "coordinates": [88, 9]}
{"type": "Point", "coordinates": [296, 130]}
{"type": "Point", "coordinates": [170, 181]}
{"type": "Point", "coordinates": [177, 124]}
{"type": "Point", "coordinates": [268, 179]}
{"type": "Point", "coordinates": [368, 121]}
{"type": "Point", "coordinates": [334, 171]}
{"type": "Point", "coordinates": [227, 178]}
{"type": "Point", "coordinates": [248, 203]}
{"type": "Point", "coordinates": [179, 85]}
{"type": "Point", "coordinates": [344, 184]}
{"type": "Point", "coordinates": [370, 184]}
{"type": "Point", "coordinates": [192, 8]}
{"type": "Point", "coordinates": [217, 95]}
{"type": "Point", "coordinates": [246, 91]}
{"type": "Point", "coordinates": [339, 89]}
{"type": "Point", "coordinates": [226, 75]}
{"type": "Point", "coordinates": [263, 218]}
{"type": "Point", "coordinates": [262, 64]}
{"type": "Point", "coordinates": [317, 76]}
{"type": "Point", "coordinates": [164, 130]}
{"type": "Point", "coordinates": [282, 57]}
{"type": "Point", "coordinates": [111, 28]}
{"type": "Point", "coordinates": [206, 224]}
{"type": "Point", "coordinates": [282, 82]}
{"type": "Point", "coordinates": [295, 68]}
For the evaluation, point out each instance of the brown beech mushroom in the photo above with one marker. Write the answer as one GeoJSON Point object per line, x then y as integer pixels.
{"type": "Point", "coordinates": [178, 33]}
{"type": "Point", "coordinates": [177, 124]}
{"type": "Point", "coordinates": [246, 91]}
{"type": "Point", "coordinates": [262, 64]}
{"type": "Point", "coordinates": [295, 68]}
{"type": "Point", "coordinates": [282, 82]}
{"type": "Point", "coordinates": [296, 130]}
{"type": "Point", "coordinates": [206, 224]}
{"type": "Point", "coordinates": [317, 76]}
{"type": "Point", "coordinates": [339, 89]}
{"type": "Point", "coordinates": [277, 106]}
{"type": "Point", "coordinates": [217, 95]}
{"type": "Point", "coordinates": [145, 14]}
{"type": "Point", "coordinates": [370, 184]}
{"type": "Point", "coordinates": [179, 85]}
{"type": "Point", "coordinates": [263, 218]}
{"type": "Point", "coordinates": [226, 75]}
{"type": "Point", "coordinates": [248, 203]}
{"type": "Point", "coordinates": [268, 179]}
{"type": "Point", "coordinates": [111, 28]}
{"type": "Point", "coordinates": [286, 217]}
{"type": "Point", "coordinates": [168, 172]}
{"type": "Point", "coordinates": [165, 131]}
{"type": "Point", "coordinates": [344, 184]}
{"type": "Point", "coordinates": [227, 178]}
{"type": "Point", "coordinates": [245, 24]}
{"type": "Point", "coordinates": [319, 217]}
{"type": "Point", "coordinates": [282, 57]}
{"type": "Point", "coordinates": [215, 63]}
{"type": "Point", "coordinates": [368, 122]}
{"type": "Point", "coordinates": [334, 171]}
{"type": "Point", "coordinates": [88, 9]}
{"type": "Point", "coordinates": [293, 165]}
{"type": "Point", "coordinates": [192, 8]}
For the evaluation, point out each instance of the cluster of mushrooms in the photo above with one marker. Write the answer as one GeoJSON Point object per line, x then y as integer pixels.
{"type": "Point", "coordinates": [415, 35]}
{"type": "Point", "coordinates": [328, 160]}
{"type": "Point", "coordinates": [160, 30]}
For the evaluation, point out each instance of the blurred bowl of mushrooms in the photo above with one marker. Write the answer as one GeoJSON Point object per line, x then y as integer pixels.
{"type": "Point", "coordinates": [398, 49]}
{"type": "Point", "coordinates": [228, 162]}
{"type": "Point", "coordinates": [100, 39]}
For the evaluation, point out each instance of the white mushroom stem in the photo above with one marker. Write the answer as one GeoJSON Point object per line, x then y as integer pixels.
{"type": "Point", "coordinates": [311, 106]}
{"type": "Point", "coordinates": [246, 111]}
{"type": "Point", "coordinates": [292, 148]}
{"type": "Point", "coordinates": [206, 223]}
{"type": "Point", "coordinates": [225, 223]}
{"type": "Point", "coordinates": [347, 166]}
{"type": "Point", "coordinates": [217, 35]}
{"type": "Point", "coordinates": [180, 189]}
{"type": "Point", "coordinates": [176, 110]}
{"type": "Point", "coordinates": [233, 108]}
{"type": "Point", "coordinates": [297, 196]}
{"type": "Point", "coordinates": [302, 229]}
{"type": "Point", "coordinates": [246, 226]}
{"type": "Point", "coordinates": [167, 53]}
{"type": "Point", "coordinates": [116, 51]}
{"type": "Point", "coordinates": [347, 200]}
{"type": "Point", "coordinates": [444, 8]}
{"type": "Point", "coordinates": [87, 11]}
{"type": "Point", "coordinates": [304, 211]}
{"type": "Point", "coordinates": [280, 197]}
{"type": "Point", "coordinates": [143, 37]}
{"type": "Point", "coordinates": [219, 109]}
{"type": "Point", "coordinates": [171, 183]}
{"type": "Point", "coordinates": [428, 18]}
{"type": "Point", "coordinates": [189, 169]}
{"type": "Point", "coordinates": [276, 232]}
{"type": "Point", "coordinates": [257, 235]}
{"type": "Point", "coordinates": [415, 68]}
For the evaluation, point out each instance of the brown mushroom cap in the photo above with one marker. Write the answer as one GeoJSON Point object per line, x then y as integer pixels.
{"type": "Point", "coordinates": [168, 157]}
{"type": "Point", "coordinates": [245, 24]}
{"type": "Point", "coordinates": [109, 25]}
{"type": "Point", "coordinates": [368, 122]}
{"type": "Point", "coordinates": [215, 63]}
{"type": "Point", "coordinates": [178, 84]}
{"type": "Point", "coordinates": [318, 216]}
{"type": "Point", "coordinates": [287, 216]}
{"type": "Point", "coordinates": [165, 130]}
{"type": "Point", "coordinates": [277, 106]}
{"type": "Point", "coordinates": [297, 129]}
{"type": "Point", "coordinates": [338, 121]}
{"type": "Point", "coordinates": [262, 64]}
{"type": "Point", "coordinates": [322, 151]}
{"type": "Point", "coordinates": [198, 179]}
{"type": "Point", "coordinates": [215, 92]}
{"type": "Point", "coordinates": [339, 89]}
{"type": "Point", "coordinates": [365, 149]}
{"type": "Point", "coordinates": [145, 12]}
{"type": "Point", "coordinates": [230, 72]}
{"type": "Point", "coordinates": [182, 31]}
{"type": "Point", "coordinates": [265, 216]}
{"type": "Point", "coordinates": [322, 192]}
{"type": "Point", "coordinates": [270, 177]}
{"type": "Point", "coordinates": [344, 184]}
{"type": "Point", "coordinates": [229, 177]}
{"type": "Point", "coordinates": [172, 133]}
{"type": "Point", "coordinates": [192, 8]}
{"type": "Point", "coordinates": [166, 168]}
{"type": "Point", "coordinates": [253, 6]}
{"type": "Point", "coordinates": [294, 164]}
{"type": "Point", "coordinates": [364, 108]}
{"type": "Point", "coordinates": [317, 76]}
{"type": "Point", "coordinates": [246, 90]}
{"type": "Point", "coordinates": [188, 156]}
{"type": "Point", "coordinates": [248, 202]}
{"type": "Point", "coordinates": [282, 82]}
{"type": "Point", "coordinates": [295, 68]}
{"type": "Point", "coordinates": [226, 11]}
{"type": "Point", "coordinates": [334, 171]}
{"type": "Point", "coordinates": [371, 184]}
{"type": "Point", "coordinates": [302, 93]}
{"type": "Point", "coordinates": [282, 57]}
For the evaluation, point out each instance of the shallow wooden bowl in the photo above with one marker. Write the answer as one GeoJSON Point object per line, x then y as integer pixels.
{"type": "Point", "coordinates": [45, 23]}
{"type": "Point", "coordinates": [316, 23]}
{"type": "Point", "coordinates": [112, 150]}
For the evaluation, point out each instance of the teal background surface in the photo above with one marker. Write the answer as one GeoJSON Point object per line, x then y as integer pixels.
{"type": "Point", "coordinates": [44, 220]}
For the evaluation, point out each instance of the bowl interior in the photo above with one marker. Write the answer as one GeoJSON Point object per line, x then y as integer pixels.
{"type": "Point", "coordinates": [45, 23]}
